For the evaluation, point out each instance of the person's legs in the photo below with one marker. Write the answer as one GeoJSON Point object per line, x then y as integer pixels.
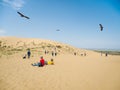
{"type": "Point", "coordinates": [28, 56]}
{"type": "Point", "coordinates": [36, 64]}
{"type": "Point", "coordinates": [39, 64]}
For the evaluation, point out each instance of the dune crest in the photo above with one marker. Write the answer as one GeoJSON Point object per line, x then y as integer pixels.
{"type": "Point", "coordinates": [22, 44]}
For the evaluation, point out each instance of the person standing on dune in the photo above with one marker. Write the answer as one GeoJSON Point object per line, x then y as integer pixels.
{"type": "Point", "coordinates": [29, 53]}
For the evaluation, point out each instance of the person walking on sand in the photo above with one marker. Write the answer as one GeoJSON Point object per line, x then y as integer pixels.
{"type": "Point", "coordinates": [85, 54]}
{"type": "Point", "coordinates": [29, 53]}
{"type": "Point", "coordinates": [55, 53]}
{"type": "Point", "coordinates": [75, 53]}
{"type": "Point", "coordinates": [52, 53]}
{"type": "Point", "coordinates": [101, 53]}
{"type": "Point", "coordinates": [45, 52]}
{"type": "Point", "coordinates": [106, 54]}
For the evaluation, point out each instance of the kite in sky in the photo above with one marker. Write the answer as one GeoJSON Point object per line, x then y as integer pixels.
{"type": "Point", "coordinates": [58, 30]}
{"type": "Point", "coordinates": [23, 15]}
{"type": "Point", "coordinates": [101, 27]}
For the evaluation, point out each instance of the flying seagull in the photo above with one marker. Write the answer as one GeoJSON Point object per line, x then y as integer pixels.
{"type": "Point", "coordinates": [101, 27]}
{"type": "Point", "coordinates": [23, 15]}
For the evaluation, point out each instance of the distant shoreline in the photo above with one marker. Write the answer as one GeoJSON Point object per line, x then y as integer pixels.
{"type": "Point", "coordinates": [103, 49]}
{"type": "Point", "coordinates": [110, 52]}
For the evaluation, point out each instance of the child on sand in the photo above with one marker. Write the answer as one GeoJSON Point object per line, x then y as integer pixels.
{"type": "Point", "coordinates": [51, 62]}
{"type": "Point", "coordinates": [24, 57]}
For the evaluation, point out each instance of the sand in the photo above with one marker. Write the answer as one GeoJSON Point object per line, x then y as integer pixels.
{"type": "Point", "coordinates": [70, 72]}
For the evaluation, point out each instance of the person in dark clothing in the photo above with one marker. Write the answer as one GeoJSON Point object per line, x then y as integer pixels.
{"type": "Point", "coordinates": [75, 53]}
{"type": "Point", "coordinates": [52, 53]}
{"type": "Point", "coordinates": [55, 53]}
{"type": "Point", "coordinates": [106, 54]}
{"type": "Point", "coordinates": [29, 53]}
{"type": "Point", "coordinates": [45, 52]}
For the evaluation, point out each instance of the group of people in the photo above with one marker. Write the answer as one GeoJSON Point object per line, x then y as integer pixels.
{"type": "Point", "coordinates": [28, 54]}
{"type": "Point", "coordinates": [83, 54]}
{"type": "Point", "coordinates": [54, 53]}
{"type": "Point", "coordinates": [106, 54]}
{"type": "Point", "coordinates": [43, 62]}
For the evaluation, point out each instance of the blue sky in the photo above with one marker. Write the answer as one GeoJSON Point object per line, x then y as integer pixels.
{"type": "Point", "coordinates": [78, 21]}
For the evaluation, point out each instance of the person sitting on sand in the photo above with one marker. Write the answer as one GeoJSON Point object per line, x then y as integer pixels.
{"type": "Point", "coordinates": [51, 62]}
{"type": "Point", "coordinates": [24, 57]}
{"type": "Point", "coordinates": [42, 61]}
{"type": "Point", "coordinates": [40, 64]}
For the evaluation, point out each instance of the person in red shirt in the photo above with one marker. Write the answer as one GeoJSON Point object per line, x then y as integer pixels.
{"type": "Point", "coordinates": [42, 62]}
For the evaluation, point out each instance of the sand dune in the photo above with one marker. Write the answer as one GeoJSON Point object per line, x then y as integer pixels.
{"type": "Point", "coordinates": [70, 72]}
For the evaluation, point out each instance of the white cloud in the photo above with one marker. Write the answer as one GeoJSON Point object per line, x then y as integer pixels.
{"type": "Point", "coordinates": [16, 4]}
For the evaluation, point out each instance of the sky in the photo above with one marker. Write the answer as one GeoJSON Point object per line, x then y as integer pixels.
{"type": "Point", "coordinates": [77, 20]}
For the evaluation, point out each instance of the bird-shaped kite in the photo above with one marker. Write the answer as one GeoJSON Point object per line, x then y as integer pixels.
{"type": "Point", "coordinates": [23, 15]}
{"type": "Point", "coordinates": [101, 27]}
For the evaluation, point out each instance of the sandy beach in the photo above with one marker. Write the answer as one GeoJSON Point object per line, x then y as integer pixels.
{"type": "Point", "coordinates": [70, 72]}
